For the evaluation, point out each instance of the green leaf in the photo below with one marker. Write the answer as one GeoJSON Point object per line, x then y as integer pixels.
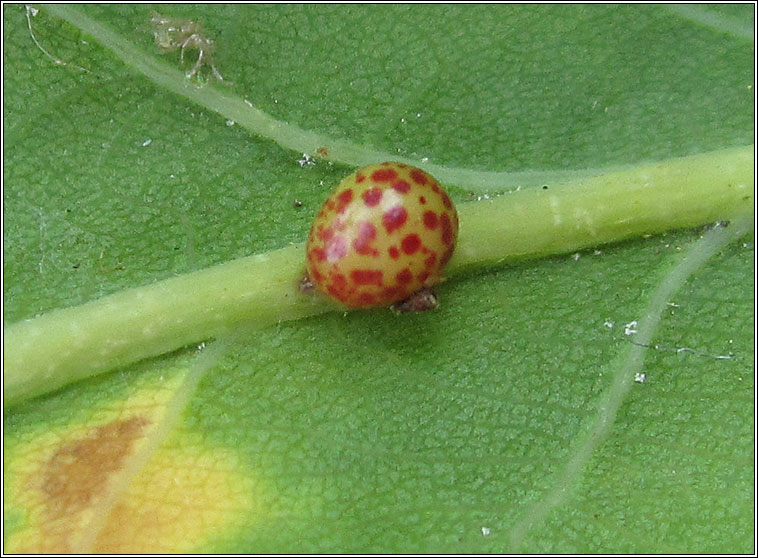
{"type": "Point", "coordinates": [509, 420]}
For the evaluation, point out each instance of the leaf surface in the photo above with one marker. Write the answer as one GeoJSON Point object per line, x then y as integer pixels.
{"type": "Point", "coordinates": [459, 431]}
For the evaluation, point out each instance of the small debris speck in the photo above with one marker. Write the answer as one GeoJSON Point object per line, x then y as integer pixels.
{"type": "Point", "coordinates": [306, 160]}
{"type": "Point", "coordinates": [639, 377]}
{"type": "Point", "coordinates": [230, 122]}
{"type": "Point", "coordinates": [630, 328]}
{"type": "Point", "coordinates": [173, 34]}
{"type": "Point", "coordinates": [32, 12]}
{"type": "Point", "coordinates": [147, 142]}
{"type": "Point", "coordinates": [608, 324]}
{"type": "Point", "coordinates": [248, 103]}
{"type": "Point", "coordinates": [485, 531]}
{"type": "Point", "coordinates": [576, 256]}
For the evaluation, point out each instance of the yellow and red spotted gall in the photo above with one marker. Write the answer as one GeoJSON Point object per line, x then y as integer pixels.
{"type": "Point", "coordinates": [382, 238]}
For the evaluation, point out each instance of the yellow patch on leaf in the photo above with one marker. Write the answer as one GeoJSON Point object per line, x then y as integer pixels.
{"type": "Point", "coordinates": [101, 488]}
{"type": "Point", "coordinates": [181, 498]}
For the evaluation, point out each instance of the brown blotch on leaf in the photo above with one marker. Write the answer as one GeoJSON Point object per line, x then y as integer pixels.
{"type": "Point", "coordinates": [78, 472]}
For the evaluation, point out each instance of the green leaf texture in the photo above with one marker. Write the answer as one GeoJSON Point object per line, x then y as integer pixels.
{"type": "Point", "coordinates": [597, 402]}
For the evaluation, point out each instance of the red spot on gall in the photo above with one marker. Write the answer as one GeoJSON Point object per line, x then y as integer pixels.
{"type": "Point", "coordinates": [366, 235]}
{"type": "Point", "coordinates": [394, 218]}
{"type": "Point", "coordinates": [326, 234]}
{"type": "Point", "coordinates": [367, 277]}
{"type": "Point", "coordinates": [404, 277]}
{"type": "Point", "coordinates": [336, 248]}
{"type": "Point", "coordinates": [430, 220]}
{"type": "Point", "coordinates": [395, 292]}
{"type": "Point", "coordinates": [446, 257]}
{"type": "Point", "coordinates": [372, 197]}
{"type": "Point", "coordinates": [383, 175]}
{"type": "Point", "coordinates": [446, 200]}
{"type": "Point", "coordinates": [338, 286]}
{"type": "Point", "coordinates": [419, 177]}
{"type": "Point", "coordinates": [339, 280]}
{"type": "Point", "coordinates": [447, 229]}
{"type": "Point", "coordinates": [411, 244]}
{"type": "Point", "coordinates": [344, 198]}
{"type": "Point", "coordinates": [401, 186]}
{"type": "Point", "coordinates": [366, 298]}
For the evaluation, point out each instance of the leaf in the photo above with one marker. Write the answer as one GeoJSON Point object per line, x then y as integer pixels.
{"type": "Point", "coordinates": [462, 430]}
